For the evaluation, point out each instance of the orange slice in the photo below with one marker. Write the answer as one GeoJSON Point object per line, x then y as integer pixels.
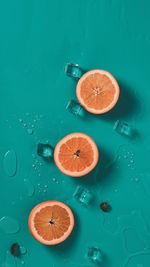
{"type": "Point", "coordinates": [51, 222]}
{"type": "Point", "coordinates": [76, 154]}
{"type": "Point", "coordinates": [97, 91]}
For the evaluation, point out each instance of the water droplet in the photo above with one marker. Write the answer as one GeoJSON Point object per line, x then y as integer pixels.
{"type": "Point", "coordinates": [24, 125]}
{"type": "Point", "coordinates": [9, 225]}
{"type": "Point", "coordinates": [20, 120]}
{"type": "Point", "coordinates": [46, 186]}
{"type": "Point", "coordinates": [39, 184]}
{"type": "Point", "coordinates": [22, 262]}
{"type": "Point", "coordinates": [23, 250]}
{"type": "Point", "coordinates": [54, 179]}
{"type": "Point", "coordinates": [44, 190]}
{"type": "Point", "coordinates": [131, 161]}
{"type": "Point", "coordinates": [30, 187]}
{"type": "Point", "coordinates": [30, 131]}
{"type": "Point", "coordinates": [10, 163]}
{"type": "Point", "coordinates": [32, 126]}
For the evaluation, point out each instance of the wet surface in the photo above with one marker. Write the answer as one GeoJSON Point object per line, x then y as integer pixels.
{"type": "Point", "coordinates": [38, 39]}
{"type": "Point", "coordinates": [10, 163]}
{"type": "Point", "coordinates": [9, 225]}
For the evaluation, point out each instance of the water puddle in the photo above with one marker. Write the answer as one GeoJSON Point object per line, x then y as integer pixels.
{"type": "Point", "coordinates": [145, 180]}
{"type": "Point", "coordinates": [10, 163]}
{"type": "Point", "coordinates": [10, 260]}
{"type": "Point", "coordinates": [9, 225]}
{"type": "Point", "coordinates": [132, 241]}
{"type": "Point", "coordinates": [110, 223]}
{"type": "Point", "coordinates": [135, 235]}
{"type": "Point", "coordinates": [138, 260]}
{"type": "Point", "coordinates": [30, 187]}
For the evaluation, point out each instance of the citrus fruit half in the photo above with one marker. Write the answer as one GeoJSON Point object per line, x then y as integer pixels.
{"type": "Point", "coordinates": [51, 222]}
{"type": "Point", "coordinates": [76, 154]}
{"type": "Point", "coordinates": [97, 91]}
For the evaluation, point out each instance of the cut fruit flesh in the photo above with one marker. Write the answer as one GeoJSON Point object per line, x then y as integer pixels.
{"type": "Point", "coordinates": [51, 222]}
{"type": "Point", "coordinates": [97, 91]}
{"type": "Point", "coordinates": [76, 154]}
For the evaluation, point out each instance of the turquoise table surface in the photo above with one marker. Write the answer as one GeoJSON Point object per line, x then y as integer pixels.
{"type": "Point", "coordinates": [37, 39]}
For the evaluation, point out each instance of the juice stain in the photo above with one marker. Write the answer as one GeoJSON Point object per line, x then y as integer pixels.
{"type": "Point", "coordinates": [10, 163]}
{"type": "Point", "coordinates": [9, 225]}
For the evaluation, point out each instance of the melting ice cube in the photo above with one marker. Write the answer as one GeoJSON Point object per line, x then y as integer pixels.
{"type": "Point", "coordinates": [75, 108]}
{"type": "Point", "coordinates": [83, 195]}
{"type": "Point", "coordinates": [73, 70]}
{"type": "Point", "coordinates": [123, 128]}
{"type": "Point", "coordinates": [45, 150]}
{"type": "Point", "coordinates": [94, 255]}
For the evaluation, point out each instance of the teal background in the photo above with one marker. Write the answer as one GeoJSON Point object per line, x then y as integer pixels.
{"type": "Point", "coordinates": [37, 39]}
